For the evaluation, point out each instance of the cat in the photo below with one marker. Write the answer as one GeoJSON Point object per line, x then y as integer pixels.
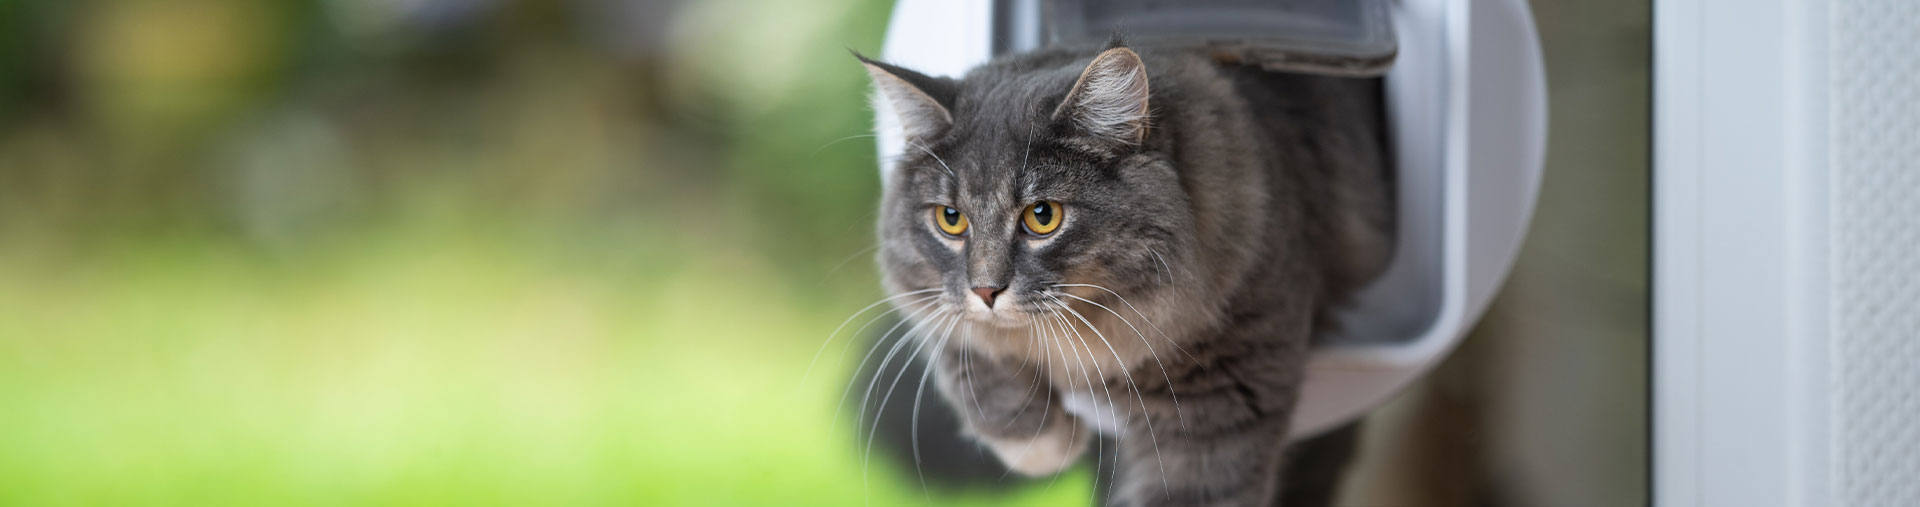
{"type": "Point", "coordinates": [1134, 241]}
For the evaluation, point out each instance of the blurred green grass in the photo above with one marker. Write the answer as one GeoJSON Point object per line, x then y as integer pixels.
{"type": "Point", "coordinates": [418, 367]}
{"type": "Point", "coordinates": [334, 252]}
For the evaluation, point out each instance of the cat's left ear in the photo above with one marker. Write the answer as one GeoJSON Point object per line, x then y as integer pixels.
{"type": "Point", "coordinates": [1108, 103]}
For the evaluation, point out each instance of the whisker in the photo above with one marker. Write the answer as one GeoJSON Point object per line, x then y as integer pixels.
{"type": "Point", "coordinates": [1166, 270]}
{"type": "Point", "coordinates": [1030, 344]}
{"type": "Point", "coordinates": [829, 144]}
{"type": "Point", "coordinates": [1025, 399]}
{"type": "Point", "coordinates": [1112, 411]}
{"type": "Point", "coordinates": [1073, 434]}
{"type": "Point", "coordinates": [848, 391]}
{"type": "Point", "coordinates": [850, 257]}
{"type": "Point", "coordinates": [1144, 416]}
{"type": "Point", "coordinates": [866, 399]}
{"type": "Point", "coordinates": [1143, 340]}
{"type": "Point", "coordinates": [913, 433]}
{"type": "Point", "coordinates": [872, 430]}
{"type": "Point", "coordinates": [1044, 409]}
{"type": "Point", "coordinates": [1024, 153]}
{"type": "Point", "coordinates": [926, 303]}
{"type": "Point", "coordinates": [1073, 429]}
{"type": "Point", "coordinates": [843, 325]}
{"type": "Point", "coordinates": [1123, 300]}
{"type": "Point", "coordinates": [936, 158]}
{"type": "Point", "coordinates": [1102, 375]}
{"type": "Point", "coordinates": [1136, 311]}
{"type": "Point", "coordinates": [967, 377]}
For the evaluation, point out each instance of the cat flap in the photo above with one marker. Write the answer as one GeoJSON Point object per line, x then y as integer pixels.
{"type": "Point", "coordinates": [1336, 37]}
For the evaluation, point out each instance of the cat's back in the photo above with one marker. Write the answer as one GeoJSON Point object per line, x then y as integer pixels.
{"type": "Point", "coordinates": [1328, 147]}
{"type": "Point", "coordinates": [1321, 142]}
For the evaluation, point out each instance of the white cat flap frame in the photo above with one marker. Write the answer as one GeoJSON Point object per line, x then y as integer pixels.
{"type": "Point", "coordinates": [1467, 101]}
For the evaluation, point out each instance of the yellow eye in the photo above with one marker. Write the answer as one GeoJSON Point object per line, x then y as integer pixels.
{"type": "Point", "coordinates": [1043, 217]}
{"type": "Point", "coordinates": [950, 220]}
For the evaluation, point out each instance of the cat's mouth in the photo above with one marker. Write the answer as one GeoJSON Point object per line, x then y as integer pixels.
{"type": "Point", "coordinates": [1010, 311]}
{"type": "Point", "coordinates": [1009, 316]}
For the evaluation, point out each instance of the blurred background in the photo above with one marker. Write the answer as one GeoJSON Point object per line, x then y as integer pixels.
{"type": "Point", "coordinates": [583, 252]}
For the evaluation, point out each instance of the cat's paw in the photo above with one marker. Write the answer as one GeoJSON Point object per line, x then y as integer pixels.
{"type": "Point", "coordinates": [1049, 454]}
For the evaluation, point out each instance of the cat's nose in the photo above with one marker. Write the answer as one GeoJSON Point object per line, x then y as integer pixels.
{"type": "Point", "coordinates": [987, 294]}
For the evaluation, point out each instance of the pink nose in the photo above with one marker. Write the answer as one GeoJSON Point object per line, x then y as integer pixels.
{"type": "Point", "coordinates": [987, 294]}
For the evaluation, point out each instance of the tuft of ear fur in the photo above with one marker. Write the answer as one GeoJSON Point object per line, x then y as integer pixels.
{"type": "Point", "coordinates": [1109, 101]}
{"type": "Point", "coordinates": [912, 98]}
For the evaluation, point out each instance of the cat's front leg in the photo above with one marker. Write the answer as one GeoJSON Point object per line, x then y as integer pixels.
{"type": "Point", "coordinates": [1222, 443]}
{"type": "Point", "coordinates": [1239, 469]}
{"type": "Point", "coordinates": [1013, 410]}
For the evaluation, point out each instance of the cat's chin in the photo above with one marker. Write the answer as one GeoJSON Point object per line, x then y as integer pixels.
{"type": "Point", "coordinates": [1001, 319]}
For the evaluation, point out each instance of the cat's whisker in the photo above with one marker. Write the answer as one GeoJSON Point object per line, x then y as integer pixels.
{"type": "Point", "coordinates": [1150, 352]}
{"type": "Point", "coordinates": [1143, 316]}
{"type": "Point", "coordinates": [1026, 400]}
{"type": "Point", "coordinates": [1043, 374]}
{"type": "Point", "coordinates": [913, 433]}
{"type": "Point", "coordinates": [1112, 407]}
{"type": "Point", "coordinates": [866, 399]}
{"type": "Point", "coordinates": [878, 412]}
{"type": "Point", "coordinates": [1064, 365]}
{"type": "Point", "coordinates": [823, 147]}
{"type": "Point", "coordinates": [1039, 369]}
{"type": "Point", "coordinates": [936, 158]}
{"type": "Point", "coordinates": [1059, 332]}
{"type": "Point", "coordinates": [929, 303]}
{"type": "Point", "coordinates": [967, 377]}
{"type": "Point", "coordinates": [1073, 435]}
{"type": "Point", "coordinates": [910, 307]}
{"type": "Point", "coordinates": [1030, 345]}
{"type": "Point", "coordinates": [899, 342]}
{"type": "Point", "coordinates": [1060, 339]}
{"type": "Point", "coordinates": [1144, 416]}
{"type": "Point", "coordinates": [1024, 154]}
{"type": "Point", "coordinates": [1165, 270]}
{"type": "Point", "coordinates": [1028, 151]}
{"type": "Point", "coordinates": [924, 302]}
{"type": "Point", "coordinates": [843, 324]}
{"type": "Point", "coordinates": [1123, 301]}
{"type": "Point", "coordinates": [850, 257]}
{"type": "Point", "coordinates": [1044, 412]}
{"type": "Point", "coordinates": [922, 340]}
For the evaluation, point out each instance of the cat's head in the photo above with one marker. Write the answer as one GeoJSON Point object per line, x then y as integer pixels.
{"type": "Point", "coordinates": [1027, 184]}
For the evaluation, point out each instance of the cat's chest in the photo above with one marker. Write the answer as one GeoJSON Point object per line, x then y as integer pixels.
{"type": "Point", "coordinates": [1094, 411]}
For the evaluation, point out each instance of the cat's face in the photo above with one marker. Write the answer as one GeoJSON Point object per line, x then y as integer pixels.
{"type": "Point", "coordinates": [1019, 193]}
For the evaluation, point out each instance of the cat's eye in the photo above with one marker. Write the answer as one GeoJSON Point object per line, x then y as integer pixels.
{"type": "Point", "coordinates": [1043, 217]}
{"type": "Point", "coordinates": [951, 221]}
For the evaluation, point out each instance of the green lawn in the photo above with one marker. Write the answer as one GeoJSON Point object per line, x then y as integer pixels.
{"type": "Point", "coordinates": [411, 368]}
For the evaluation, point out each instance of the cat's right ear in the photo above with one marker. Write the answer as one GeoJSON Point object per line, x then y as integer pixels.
{"type": "Point", "coordinates": [918, 101]}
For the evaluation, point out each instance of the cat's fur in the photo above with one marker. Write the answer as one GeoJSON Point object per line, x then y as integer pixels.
{"type": "Point", "coordinates": [1219, 209]}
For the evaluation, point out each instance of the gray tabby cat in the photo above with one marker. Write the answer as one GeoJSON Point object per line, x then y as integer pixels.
{"type": "Point", "coordinates": [1137, 243]}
